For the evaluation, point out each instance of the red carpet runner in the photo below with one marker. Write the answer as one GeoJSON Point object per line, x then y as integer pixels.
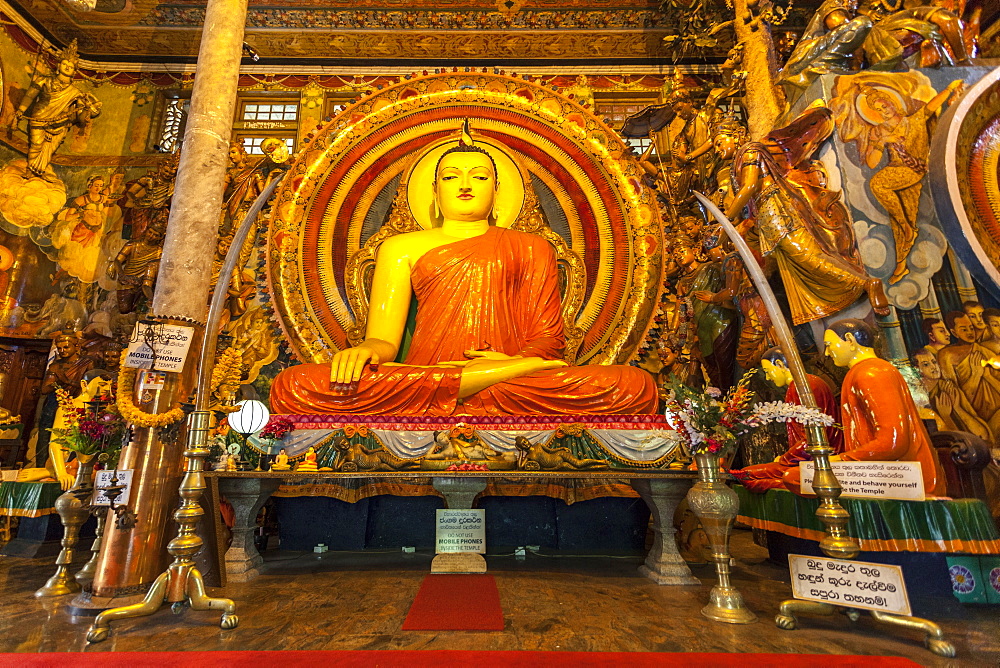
{"type": "Point", "coordinates": [437, 659]}
{"type": "Point", "coordinates": [456, 603]}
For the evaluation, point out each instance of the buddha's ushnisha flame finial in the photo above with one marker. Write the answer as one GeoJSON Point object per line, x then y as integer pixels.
{"type": "Point", "coordinates": [466, 138]}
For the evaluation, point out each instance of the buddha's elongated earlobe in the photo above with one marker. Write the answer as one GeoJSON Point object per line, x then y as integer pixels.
{"type": "Point", "coordinates": [437, 209]}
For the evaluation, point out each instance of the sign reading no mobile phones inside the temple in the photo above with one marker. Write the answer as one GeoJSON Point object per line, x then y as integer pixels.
{"type": "Point", "coordinates": [901, 481]}
{"type": "Point", "coordinates": [855, 584]}
{"type": "Point", "coordinates": [461, 531]}
{"type": "Point", "coordinates": [166, 352]}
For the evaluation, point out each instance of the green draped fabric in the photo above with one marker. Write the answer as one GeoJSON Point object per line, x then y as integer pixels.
{"type": "Point", "coordinates": [880, 525]}
{"type": "Point", "coordinates": [28, 499]}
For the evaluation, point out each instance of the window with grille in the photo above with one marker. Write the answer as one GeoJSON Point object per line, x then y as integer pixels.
{"type": "Point", "coordinates": [174, 119]}
{"type": "Point", "coordinates": [260, 111]}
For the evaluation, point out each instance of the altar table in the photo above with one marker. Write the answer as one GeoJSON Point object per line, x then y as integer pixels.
{"type": "Point", "coordinates": [39, 531]}
{"type": "Point", "coordinates": [247, 491]}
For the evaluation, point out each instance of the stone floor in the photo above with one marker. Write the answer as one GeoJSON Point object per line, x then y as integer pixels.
{"type": "Point", "coordinates": [584, 603]}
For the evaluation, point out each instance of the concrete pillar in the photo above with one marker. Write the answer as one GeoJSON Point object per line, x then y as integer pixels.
{"type": "Point", "coordinates": [131, 559]}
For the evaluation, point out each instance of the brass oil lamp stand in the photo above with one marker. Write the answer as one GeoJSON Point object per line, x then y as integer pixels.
{"type": "Point", "coordinates": [836, 543]}
{"type": "Point", "coordinates": [182, 582]}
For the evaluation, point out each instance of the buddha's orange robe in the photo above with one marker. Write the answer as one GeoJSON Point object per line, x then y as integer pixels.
{"type": "Point", "coordinates": [498, 291]}
{"type": "Point", "coordinates": [881, 423]}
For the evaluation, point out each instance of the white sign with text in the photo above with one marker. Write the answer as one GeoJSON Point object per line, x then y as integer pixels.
{"type": "Point", "coordinates": [902, 481]}
{"type": "Point", "coordinates": [102, 480]}
{"type": "Point", "coordinates": [167, 353]}
{"type": "Point", "coordinates": [855, 584]}
{"type": "Point", "coordinates": [461, 531]}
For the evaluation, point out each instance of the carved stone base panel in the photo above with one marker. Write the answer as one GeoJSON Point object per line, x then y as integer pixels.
{"type": "Point", "coordinates": [664, 564]}
{"type": "Point", "coordinates": [247, 496]}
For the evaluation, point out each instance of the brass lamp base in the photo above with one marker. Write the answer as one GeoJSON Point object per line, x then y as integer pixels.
{"type": "Point", "coordinates": [934, 639]}
{"type": "Point", "coordinates": [725, 604]}
{"type": "Point", "coordinates": [181, 584]}
{"type": "Point", "coordinates": [185, 578]}
{"type": "Point", "coordinates": [60, 584]}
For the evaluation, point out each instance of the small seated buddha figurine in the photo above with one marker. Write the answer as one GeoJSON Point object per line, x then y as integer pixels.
{"type": "Point", "coordinates": [308, 463]}
{"type": "Point", "coordinates": [280, 462]}
{"type": "Point", "coordinates": [881, 422]}
{"type": "Point", "coordinates": [761, 477]}
{"type": "Point", "coordinates": [489, 336]}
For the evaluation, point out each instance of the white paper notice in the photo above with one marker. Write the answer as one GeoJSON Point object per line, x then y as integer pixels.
{"type": "Point", "coordinates": [103, 480]}
{"type": "Point", "coordinates": [902, 481]}
{"type": "Point", "coordinates": [855, 584]}
{"type": "Point", "coordinates": [461, 531]}
{"type": "Point", "coordinates": [166, 354]}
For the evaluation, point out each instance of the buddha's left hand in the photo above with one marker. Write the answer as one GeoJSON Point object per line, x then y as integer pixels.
{"type": "Point", "coordinates": [476, 355]}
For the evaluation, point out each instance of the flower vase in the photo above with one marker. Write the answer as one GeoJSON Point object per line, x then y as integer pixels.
{"type": "Point", "coordinates": [73, 507]}
{"type": "Point", "coordinates": [715, 504]}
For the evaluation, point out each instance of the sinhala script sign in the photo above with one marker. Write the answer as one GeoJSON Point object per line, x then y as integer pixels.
{"type": "Point", "coordinates": [167, 353]}
{"type": "Point", "coordinates": [461, 531]}
{"type": "Point", "coordinates": [855, 584]}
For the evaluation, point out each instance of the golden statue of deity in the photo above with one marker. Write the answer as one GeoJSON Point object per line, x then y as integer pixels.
{"type": "Point", "coordinates": [489, 335]}
{"type": "Point", "coordinates": [800, 222]}
{"type": "Point", "coordinates": [51, 105]}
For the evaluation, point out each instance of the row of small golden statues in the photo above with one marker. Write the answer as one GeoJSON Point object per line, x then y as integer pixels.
{"type": "Point", "coordinates": [452, 450]}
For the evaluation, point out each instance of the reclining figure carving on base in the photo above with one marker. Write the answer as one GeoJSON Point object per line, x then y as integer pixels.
{"type": "Point", "coordinates": [355, 457]}
{"type": "Point", "coordinates": [540, 457]}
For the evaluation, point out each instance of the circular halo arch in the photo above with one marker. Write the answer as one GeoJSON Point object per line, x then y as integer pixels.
{"type": "Point", "coordinates": [343, 190]}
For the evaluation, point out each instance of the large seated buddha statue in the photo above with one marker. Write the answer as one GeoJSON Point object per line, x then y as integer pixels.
{"type": "Point", "coordinates": [488, 336]}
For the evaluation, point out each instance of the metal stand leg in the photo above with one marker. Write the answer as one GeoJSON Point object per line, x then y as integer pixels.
{"type": "Point", "coordinates": [934, 641]}
{"type": "Point", "coordinates": [181, 583]}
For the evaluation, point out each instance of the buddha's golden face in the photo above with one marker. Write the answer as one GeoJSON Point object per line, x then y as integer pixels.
{"type": "Point", "coordinates": [465, 186]}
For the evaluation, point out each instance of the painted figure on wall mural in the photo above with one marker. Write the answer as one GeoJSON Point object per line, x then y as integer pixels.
{"type": "Point", "coordinates": [52, 105]}
{"type": "Point", "coordinates": [801, 223]}
{"type": "Point", "coordinates": [976, 313]}
{"type": "Point", "coordinates": [86, 233]}
{"type": "Point", "coordinates": [937, 334]}
{"type": "Point", "coordinates": [886, 122]}
{"type": "Point", "coordinates": [489, 336]}
{"type": "Point", "coordinates": [963, 363]}
{"type": "Point", "coordinates": [951, 406]}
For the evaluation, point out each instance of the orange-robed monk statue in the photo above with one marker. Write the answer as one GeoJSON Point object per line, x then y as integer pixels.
{"type": "Point", "coordinates": [881, 422]}
{"type": "Point", "coordinates": [489, 332]}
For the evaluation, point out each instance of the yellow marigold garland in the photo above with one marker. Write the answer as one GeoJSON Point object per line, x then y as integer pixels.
{"type": "Point", "coordinates": [133, 414]}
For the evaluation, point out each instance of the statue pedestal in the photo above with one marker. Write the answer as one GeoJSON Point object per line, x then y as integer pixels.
{"type": "Point", "coordinates": [459, 493]}
{"type": "Point", "coordinates": [247, 495]}
{"type": "Point", "coordinates": [664, 564]}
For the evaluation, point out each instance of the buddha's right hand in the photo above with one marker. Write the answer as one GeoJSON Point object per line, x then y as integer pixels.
{"type": "Point", "coordinates": [66, 481]}
{"type": "Point", "coordinates": [347, 365]}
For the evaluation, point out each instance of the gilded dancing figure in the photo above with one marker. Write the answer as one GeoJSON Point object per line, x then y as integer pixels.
{"type": "Point", "coordinates": [51, 105]}
{"type": "Point", "coordinates": [804, 225]}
